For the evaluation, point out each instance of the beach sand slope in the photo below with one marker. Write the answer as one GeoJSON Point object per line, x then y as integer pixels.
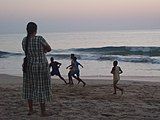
{"type": "Point", "coordinates": [140, 101]}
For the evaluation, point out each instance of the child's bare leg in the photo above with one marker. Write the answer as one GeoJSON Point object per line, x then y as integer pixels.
{"type": "Point", "coordinates": [120, 89]}
{"type": "Point", "coordinates": [79, 80]}
{"type": "Point", "coordinates": [70, 78]}
{"type": "Point", "coordinates": [62, 78]}
{"type": "Point", "coordinates": [82, 81]}
{"type": "Point", "coordinates": [114, 86]}
{"type": "Point", "coordinates": [76, 79]}
{"type": "Point", "coordinates": [70, 81]}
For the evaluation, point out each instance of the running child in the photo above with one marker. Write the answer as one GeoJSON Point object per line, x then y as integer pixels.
{"type": "Point", "coordinates": [116, 71]}
{"type": "Point", "coordinates": [75, 72]}
{"type": "Point", "coordinates": [70, 70]}
{"type": "Point", "coordinates": [55, 69]}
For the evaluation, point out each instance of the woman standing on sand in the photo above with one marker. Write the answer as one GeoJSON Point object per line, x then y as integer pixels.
{"type": "Point", "coordinates": [36, 77]}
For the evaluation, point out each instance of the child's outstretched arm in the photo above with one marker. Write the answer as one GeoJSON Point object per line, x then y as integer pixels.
{"type": "Point", "coordinates": [68, 66]}
{"type": "Point", "coordinates": [59, 64]}
{"type": "Point", "coordinates": [120, 71]}
{"type": "Point", "coordinates": [81, 65]}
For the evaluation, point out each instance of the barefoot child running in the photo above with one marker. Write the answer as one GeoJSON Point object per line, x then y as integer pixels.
{"type": "Point", "coordinates": [55, 69]}
{"type": "Point", "coordinates": [70, 70]}
{"type": "Point", "coordinates": [75, 72]}
{"type": "Point", "coordinates": [116, 71]}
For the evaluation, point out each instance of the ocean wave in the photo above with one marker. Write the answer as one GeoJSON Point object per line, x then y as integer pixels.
{"type": "Point", "coordinates": [134, 59]}
{"type": "Point", "coordinates": [4, 54]}
{"type": "Point", "coordinates": [123, 53]}
{"type": "Point", "coordinates": [122, 50]}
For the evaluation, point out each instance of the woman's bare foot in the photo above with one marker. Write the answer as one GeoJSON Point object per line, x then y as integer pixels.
{"type": "Point", "coordinates": [46, 114]}
{"type": "Point", "coordinates": [31, 112]}
{"type": "Point", "coordinates": [70, 84]}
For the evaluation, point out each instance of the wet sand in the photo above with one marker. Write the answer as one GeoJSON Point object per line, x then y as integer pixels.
{"type": "Point", "coordinates": [95, 101]}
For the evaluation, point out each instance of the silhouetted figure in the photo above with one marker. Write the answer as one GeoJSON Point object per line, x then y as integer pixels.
{"type": "Point", "coordinates": [36, 77]}
{"type": "Point", "coordinates": [75, 72]}
{"type": "Point", "coordinates": [55, 69]}
{"type": "Point", "coordinates": [70, 70]}
{"type": "Point", "coordinates": [116, 71]}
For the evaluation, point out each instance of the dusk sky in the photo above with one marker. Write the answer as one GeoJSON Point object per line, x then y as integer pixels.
{"type": "Point", "coordinates": [79, 15]}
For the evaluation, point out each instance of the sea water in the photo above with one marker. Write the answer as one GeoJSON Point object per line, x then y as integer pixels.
{"type": "Point", "coordinates": [138, 51]}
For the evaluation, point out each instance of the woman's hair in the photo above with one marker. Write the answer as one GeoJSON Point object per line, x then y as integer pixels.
{"type": "Point", "coordinates": [31, 28]}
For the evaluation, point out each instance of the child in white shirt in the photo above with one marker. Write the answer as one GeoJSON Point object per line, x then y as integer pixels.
{"type": "Point", "coordinates": [116, 71]}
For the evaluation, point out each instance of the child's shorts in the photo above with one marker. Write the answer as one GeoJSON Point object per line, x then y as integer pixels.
{"type": "Point", "coordinates": [55, 72]}
{"type": "Point", "coordinates": [75, 72]}
{"type": "Point", "coordinates": [115, 81]}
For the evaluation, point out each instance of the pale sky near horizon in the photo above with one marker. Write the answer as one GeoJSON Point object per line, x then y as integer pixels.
{"type": "Point", "coordinates": [79, 15]}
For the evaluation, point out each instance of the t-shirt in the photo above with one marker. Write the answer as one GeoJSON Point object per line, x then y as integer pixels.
{"type": "Point", "coordinates": [54, 65]}
{"type": "Point", "coordinates": [116, 75]}
{"type": "Point", "coordinates": [36, 52]}
{"type": "Point", "coordinates": [75, 65]}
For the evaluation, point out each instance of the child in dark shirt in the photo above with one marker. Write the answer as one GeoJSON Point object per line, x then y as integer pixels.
{"type": "Point", "coordinates": [55, 69]}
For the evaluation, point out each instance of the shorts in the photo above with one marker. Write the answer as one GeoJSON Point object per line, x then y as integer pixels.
{"type": "Point", "coordinates": [75, 72]}
{"type": "Point", "coordinates": [115, 81]}
{"type": "Point", "coordinates": [55, 72]}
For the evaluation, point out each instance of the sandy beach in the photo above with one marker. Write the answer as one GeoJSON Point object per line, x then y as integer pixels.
{"type": "Point", "coordinates": [140, 101]}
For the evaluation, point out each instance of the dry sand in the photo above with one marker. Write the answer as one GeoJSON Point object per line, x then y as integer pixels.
{"type": "Point", "coordinates": [141, 100]}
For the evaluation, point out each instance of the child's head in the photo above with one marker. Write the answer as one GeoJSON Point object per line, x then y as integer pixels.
{"type": "Point", "coordinates": [115, 63]}
{"type": "Point", "coordinates": [75, 58]}
{"type": "Point", "coordinates": [72, 56]}
{"type": "Point", "coordinates": [52, 59]}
